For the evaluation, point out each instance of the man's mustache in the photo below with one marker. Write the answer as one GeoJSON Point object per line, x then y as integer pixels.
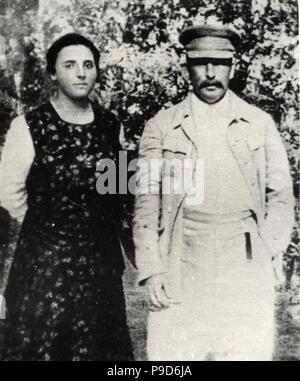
{"type": "Point", "coordinates": [209, 83]}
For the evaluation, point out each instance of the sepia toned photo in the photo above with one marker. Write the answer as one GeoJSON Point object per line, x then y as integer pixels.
{"type": "Point", "coordinates": [149, 181]}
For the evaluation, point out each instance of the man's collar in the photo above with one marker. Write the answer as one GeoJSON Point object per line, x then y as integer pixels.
{"type": "Point", "coordinates": [239, 109]}
{"type": "Point", "coordinates": [202, 109]}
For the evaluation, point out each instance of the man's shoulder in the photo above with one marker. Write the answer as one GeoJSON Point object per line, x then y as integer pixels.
{"type": "Point", "coordinates": [249, 111]}
{"type": "Point", "coordinates": [170, 115]}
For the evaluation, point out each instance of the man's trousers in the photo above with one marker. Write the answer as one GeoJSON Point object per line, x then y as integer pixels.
{"type": "Point", "coordinates": [226, 311]}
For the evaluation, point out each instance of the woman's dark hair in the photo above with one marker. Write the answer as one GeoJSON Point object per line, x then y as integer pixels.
{"type": "Point", "coordinates": [68, 40]}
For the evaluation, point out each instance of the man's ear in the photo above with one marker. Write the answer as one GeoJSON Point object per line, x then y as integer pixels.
{"type": "Point", "coordinates": [232, 70]}
{"type": "Point", "coordinates": [185, 68]}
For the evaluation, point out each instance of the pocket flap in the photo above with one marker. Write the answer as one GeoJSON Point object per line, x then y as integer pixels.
{"type": "Point", "coordinates": [255, 141]}
{"type": "Point", "coordinates": [174, 144]}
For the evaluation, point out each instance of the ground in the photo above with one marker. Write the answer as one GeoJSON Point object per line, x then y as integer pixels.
{"type": "Point", "coordinates": [287, 345]}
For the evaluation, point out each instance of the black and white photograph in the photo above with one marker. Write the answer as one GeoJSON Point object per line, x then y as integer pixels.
{"type": "Point", "coordinates": [149, 182]}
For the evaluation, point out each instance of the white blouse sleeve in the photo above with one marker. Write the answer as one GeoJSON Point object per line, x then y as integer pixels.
{"type": "Point", "coordinates": [16, 160]}
{"type": "Point", "coordinates": [122, 139]}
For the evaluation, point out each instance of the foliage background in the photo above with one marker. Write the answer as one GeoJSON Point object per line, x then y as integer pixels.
{"type": "Point", "coordinates": [143, 70]}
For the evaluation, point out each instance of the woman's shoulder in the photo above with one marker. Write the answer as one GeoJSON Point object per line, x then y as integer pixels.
{"type": "Point", "coordinates": [39, 117]}
{"type": "Point", "coordinates": [18, 131]}
{"type": "Point", "coordinates": [101, 111]}
{"type": "Point", "coordinates": [107, 120]}
{"type": "Point", "coordinates": [38, 110]}
{"type": "Point", "coordinates": [18, 123]}
{"type": "Point", "coordinates": [20, 127]}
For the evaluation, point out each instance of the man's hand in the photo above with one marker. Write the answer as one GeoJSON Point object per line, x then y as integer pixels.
{"type": "Point", "coordinates": [2, 307]}
{"type": "Point", "coordinates": [158, 292]}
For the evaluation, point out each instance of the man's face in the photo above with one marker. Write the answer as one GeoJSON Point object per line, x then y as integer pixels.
{"type": "Point", "coordinates": [210, 77]}
{"type": "Point", "coordinates": [75, 71]}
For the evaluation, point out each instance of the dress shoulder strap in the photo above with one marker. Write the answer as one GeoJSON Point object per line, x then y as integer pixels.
{"type": "Point", "coordinates": [107, 122]}
{"type": "Point", "coordinates": [37, 120]}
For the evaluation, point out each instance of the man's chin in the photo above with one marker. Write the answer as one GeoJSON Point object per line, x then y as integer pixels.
{"type": "Point", "coordinates": [210, 95]}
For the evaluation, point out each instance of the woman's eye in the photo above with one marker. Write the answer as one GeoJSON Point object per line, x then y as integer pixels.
{"type": "Point", "coordinates": [69, 65]}
{"type": "Point", "coordinates": [89, 65]}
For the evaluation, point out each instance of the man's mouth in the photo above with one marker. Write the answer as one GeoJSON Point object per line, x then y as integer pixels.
{"type": "Point", "coordinates": [212, 86]}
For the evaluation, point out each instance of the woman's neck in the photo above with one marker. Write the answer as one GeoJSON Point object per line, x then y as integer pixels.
{"type": "Point", "coordinates": [73, 111]}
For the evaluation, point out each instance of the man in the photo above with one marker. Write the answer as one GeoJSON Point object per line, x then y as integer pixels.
{"type": "Point", "coordinates": [209, 267]}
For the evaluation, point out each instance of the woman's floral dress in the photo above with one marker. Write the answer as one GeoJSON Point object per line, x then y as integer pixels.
{"type": "Point", "coordinates": [64, 295]}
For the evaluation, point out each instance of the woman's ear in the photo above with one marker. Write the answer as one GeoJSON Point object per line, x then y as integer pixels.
{"type": "Point", "coordinates": [53, 77]}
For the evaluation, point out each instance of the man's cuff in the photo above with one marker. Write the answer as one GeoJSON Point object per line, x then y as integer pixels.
{"type": "Point", "coordinates": [149, 271]}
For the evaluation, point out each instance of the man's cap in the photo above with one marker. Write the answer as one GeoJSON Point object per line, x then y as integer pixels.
{"type": "Point", "coordinates": [210, 41]}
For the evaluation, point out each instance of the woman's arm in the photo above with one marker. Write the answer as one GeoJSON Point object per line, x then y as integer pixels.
{"type": "Point", "coordinates": [16, 159]}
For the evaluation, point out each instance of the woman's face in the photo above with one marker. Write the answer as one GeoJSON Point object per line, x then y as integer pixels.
{"type": "Point", "coordinates": [75, 71]}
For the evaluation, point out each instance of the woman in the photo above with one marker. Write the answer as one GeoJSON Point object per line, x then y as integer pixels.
{"type": "Point", "coordinates": [64, 296]}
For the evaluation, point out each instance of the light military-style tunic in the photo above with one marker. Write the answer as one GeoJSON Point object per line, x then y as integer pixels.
{"type": "Point", "coordinates": [224, 298]}
{"type": "Point", "coordinates": [225, 190]}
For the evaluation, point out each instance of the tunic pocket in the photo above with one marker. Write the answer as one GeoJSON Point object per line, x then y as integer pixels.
{"type": "Point", "coordinates": [255, 142]}
{"type": "Point", "coordinates": [174, 146]}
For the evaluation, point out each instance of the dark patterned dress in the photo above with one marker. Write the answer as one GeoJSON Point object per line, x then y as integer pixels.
{"type": "Point", "coordinates": [64, 295]}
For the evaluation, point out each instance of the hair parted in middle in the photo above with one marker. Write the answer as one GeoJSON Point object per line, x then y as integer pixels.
{"type": "Point", "coordinates": [69, 40]}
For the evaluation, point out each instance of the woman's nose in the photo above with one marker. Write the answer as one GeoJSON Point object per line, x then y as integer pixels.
{"type": "Point", "coordinates": [80, 71]}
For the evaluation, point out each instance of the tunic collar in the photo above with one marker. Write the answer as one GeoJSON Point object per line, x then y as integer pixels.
{"type": "Point", "coordinates": [201, 109]}
{"type": "Point", "coordinates": [238, 109]}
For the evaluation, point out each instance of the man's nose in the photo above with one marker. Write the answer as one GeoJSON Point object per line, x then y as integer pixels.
{"type": "Point", "coordinates": [210, 71]}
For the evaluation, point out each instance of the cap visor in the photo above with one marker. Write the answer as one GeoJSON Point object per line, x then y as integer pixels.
{"type": "Point", "coordinates": [226, 54]}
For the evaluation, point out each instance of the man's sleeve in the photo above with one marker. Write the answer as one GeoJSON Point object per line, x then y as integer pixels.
{"type": "Point", "coordinates": [279, 220]}
{"type": "Point", "coordinates": [148, 202]}
{"type": "Point", "coordinates": [16, 159]}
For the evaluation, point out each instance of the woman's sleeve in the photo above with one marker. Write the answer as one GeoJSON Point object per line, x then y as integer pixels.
{"type": "Point", "coordinates": [16, 160]}
{"type": "Point", "coordinates": [122, 140]}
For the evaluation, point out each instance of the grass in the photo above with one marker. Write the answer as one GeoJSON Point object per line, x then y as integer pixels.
{"type": "Point", "coordinates": [287, 342]}
{"type": "Point", "coordinates": [287, 345]}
